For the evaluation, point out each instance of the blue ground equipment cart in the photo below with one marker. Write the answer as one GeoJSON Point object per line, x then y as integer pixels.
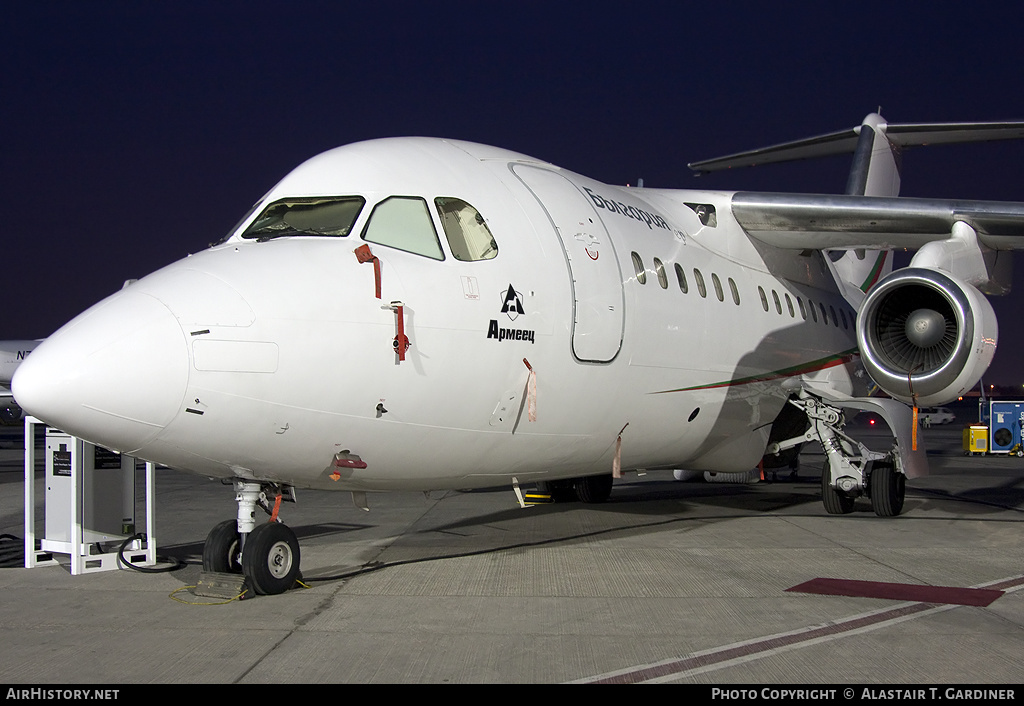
{"type": "Point", "coordinates": [1005, 422]}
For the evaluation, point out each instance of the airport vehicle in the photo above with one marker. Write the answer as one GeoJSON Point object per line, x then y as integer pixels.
{"type": "Point", "coordinates": [931, 416]}
{"type": "Point", "coordinates": [1003, 433]}
{"type": "Point", "coordinates": [12, 353]}
{"type": "Point", "coordinates": [419, 313]}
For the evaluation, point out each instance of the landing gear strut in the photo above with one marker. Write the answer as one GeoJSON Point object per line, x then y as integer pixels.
{"type": "Point", "coordinates": [266, 553]}
{"type": "Point", "coordinates": [852, 469]}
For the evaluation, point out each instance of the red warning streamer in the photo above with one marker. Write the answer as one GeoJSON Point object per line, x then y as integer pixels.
{"type": "Point", "coordinates": [617, 459]}
{"type": "Point", "coordinates": [401, 342]}
{"type": "Point", "coordinates": [531, 393]}
{"type": "Point", "coordinates": [363, 254]}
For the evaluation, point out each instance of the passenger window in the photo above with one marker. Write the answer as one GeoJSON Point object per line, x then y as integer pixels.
{"type": "Point", "coordinates": [803, 312]}
{"type": "Point", "coordinates": [789, 303]}
{"type": "Point", "coordinates": [699, 278]}
{"type": "Point", "coordinates": [403, 222]}
{"type": "Point", "coordinates": [659, 268]}
{"type": "Point", "coordinates": [468, 235]}
{"type": "Point", "coordinates": [814, 312]}
{"type": "Point", "coordinates": [832, 310]}
{"type": "Point", "coordinates": [638, 267]}
{"type": "Point", "coordinates": [764, 299]}
{"type": "Point", "coordinates": [681, 277]}
{"type": "Point", "coordinates": [735, 292]}
{"type": "Point", "coordinates": [718, 287]}
{"type": "Point", "coordinates": [327, 216]}
{"type": "Point", "coordinates": [842, 312]}
{"type": "Point", "coordinates": [778, 304]}
{"type": "Point", "coordinates": [824, 315]}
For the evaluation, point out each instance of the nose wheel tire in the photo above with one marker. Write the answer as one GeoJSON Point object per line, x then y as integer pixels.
{"type": "Point", "coordinates": [222, 548]}
{"type": "Point", "coordinates": [270, 559]}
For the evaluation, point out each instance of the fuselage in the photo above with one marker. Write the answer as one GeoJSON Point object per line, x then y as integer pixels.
{"type": "Point", "coordinates": [646, 314]}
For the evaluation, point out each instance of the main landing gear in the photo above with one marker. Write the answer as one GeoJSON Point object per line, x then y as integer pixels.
{"type": "Point", "coordinates": [852, 469]}
{"type": "Point", "coordinates": [587, 489]}
{"type": "Point", "coordinates": [267, 554]}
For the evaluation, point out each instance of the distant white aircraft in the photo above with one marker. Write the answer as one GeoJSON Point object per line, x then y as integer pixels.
{"type": "Point", "coordinates": [12, 353]}
{"type": "Point", "coordinates": [417, 313]}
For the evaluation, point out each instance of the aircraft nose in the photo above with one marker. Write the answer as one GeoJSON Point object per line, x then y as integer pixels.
{"type": "Point", "coordinates": [115, 375]}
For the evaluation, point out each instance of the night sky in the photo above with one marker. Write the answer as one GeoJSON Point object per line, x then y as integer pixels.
{"type": "Point", "coordinates": [137, 133]}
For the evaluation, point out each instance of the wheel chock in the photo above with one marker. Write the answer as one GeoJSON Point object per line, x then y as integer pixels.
{"type": "Point", "coordinates": [213, 584]}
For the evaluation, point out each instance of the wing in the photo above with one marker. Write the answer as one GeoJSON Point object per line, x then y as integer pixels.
{"type": "Point", "coordinates": [827, 222]}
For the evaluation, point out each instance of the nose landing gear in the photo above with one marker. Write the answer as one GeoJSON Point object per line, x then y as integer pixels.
{"type": "Point", "coordinates": [270, 558]}
{"type": "Point", "coordinates": [222, 552]}
{"type": "Point", "coordinates": [266, 554]}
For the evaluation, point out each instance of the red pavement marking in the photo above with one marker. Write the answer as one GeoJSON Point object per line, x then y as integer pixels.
{"type": "Point", "coordinates": [979, 597]}
{"type": "Point", "coordinates": [926, 596]}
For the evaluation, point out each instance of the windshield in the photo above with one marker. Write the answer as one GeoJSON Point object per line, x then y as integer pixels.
{"type": "Point", "coordinates": [324, 216]}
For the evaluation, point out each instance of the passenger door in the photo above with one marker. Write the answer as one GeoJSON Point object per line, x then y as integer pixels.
{"type": "Point", "coordinates": [598, 304]}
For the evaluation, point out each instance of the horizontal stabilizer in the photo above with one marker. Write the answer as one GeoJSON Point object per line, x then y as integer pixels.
{"type": "Point", "coordinates": [845, 141]}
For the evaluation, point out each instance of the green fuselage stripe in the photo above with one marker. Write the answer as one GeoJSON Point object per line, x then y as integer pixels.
{"type": "Point", "coordinates": [819, 364]}
{"type": "Point", "coordinates": [875, 271]}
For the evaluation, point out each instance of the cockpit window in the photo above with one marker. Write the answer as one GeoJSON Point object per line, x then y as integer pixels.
{"type": "Point", "coordinates": [326, 216]}
{"type": "Point", "coordinates": [467, 232]}
{"type": "Point", "coordinates": [404, 222]}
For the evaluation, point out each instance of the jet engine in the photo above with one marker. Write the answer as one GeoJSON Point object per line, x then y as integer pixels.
{"type": "Point", "coordinates": [926, 337]}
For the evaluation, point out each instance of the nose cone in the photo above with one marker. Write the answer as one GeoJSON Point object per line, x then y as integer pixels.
{"type": "Point", "coordinates": [115, 375]}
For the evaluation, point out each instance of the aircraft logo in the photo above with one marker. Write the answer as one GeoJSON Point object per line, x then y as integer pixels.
{"type": "Point", "coordinates": [512, 306]}
{"type": "Point", "coordinates": [512, 303]}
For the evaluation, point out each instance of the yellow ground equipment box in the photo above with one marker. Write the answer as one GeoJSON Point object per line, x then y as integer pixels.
{"type": "Point", "coordinates": [975, 439]}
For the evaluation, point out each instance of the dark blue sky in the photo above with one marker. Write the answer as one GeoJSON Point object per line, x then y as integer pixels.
{"type": "Point", "coordinates": [136, 133]}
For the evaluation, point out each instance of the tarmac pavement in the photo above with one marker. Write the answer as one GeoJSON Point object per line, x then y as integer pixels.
{"type": "Point", "coordinates": [668, 581]}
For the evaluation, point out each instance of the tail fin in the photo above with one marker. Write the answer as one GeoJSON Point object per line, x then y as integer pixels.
{"type": "Point", "coordinates": [875, 172]}
{"type": "Point", "coordinates": [876, 161]}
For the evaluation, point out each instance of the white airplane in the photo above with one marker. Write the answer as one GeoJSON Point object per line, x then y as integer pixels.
{"type": "Point", "coordinates": [12, 353]}
{"type": "Point", "coordinates": [418, 313]}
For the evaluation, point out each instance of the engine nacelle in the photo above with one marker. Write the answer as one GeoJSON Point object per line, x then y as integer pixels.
{"type": "Point", "coordinates": [924, 334]}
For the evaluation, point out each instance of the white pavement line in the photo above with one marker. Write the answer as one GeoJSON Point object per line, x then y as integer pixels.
{"type": "Point", "coordinates": [750, 650]}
